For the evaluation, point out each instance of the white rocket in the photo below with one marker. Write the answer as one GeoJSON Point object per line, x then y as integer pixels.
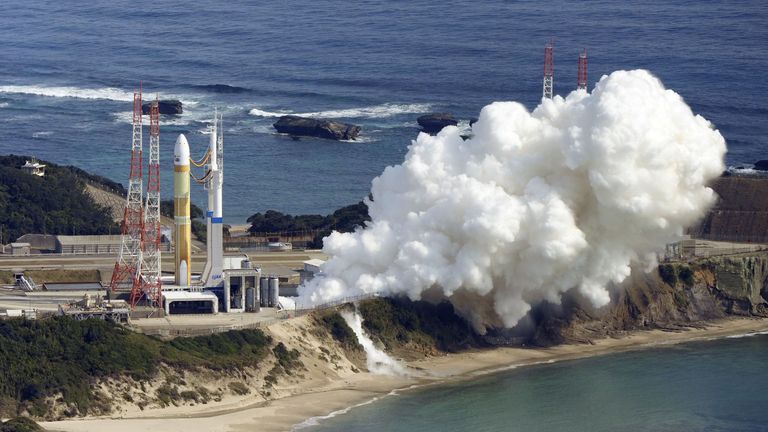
{"type": "Point", "coordinates": [212, 274]}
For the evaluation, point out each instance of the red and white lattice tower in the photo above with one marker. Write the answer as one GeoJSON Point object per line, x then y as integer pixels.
{"type": "Point", "coordinates": [128, 265]}
{"type": "Point", "coordinates": [149, 284]}
{"type": "Point", "coordinates": [549, 69]}
{"type": "Point", "coordinates": [582, 80]}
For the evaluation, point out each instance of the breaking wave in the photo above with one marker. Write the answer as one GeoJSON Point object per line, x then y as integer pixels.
{"type": "Point", "coordinates": [106, 93]}
{"type": "Point", "coordinates": [376, 111]}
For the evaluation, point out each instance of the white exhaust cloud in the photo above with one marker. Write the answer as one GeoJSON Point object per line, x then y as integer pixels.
{"type": "Point", "coordinates": [534, 204]}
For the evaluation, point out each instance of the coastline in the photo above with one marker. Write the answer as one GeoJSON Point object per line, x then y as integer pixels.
{"type": "Point", "coordinates": [314, 403]}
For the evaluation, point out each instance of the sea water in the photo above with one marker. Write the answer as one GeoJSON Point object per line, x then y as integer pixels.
{"type": "Point", "coordinates": [701, 386]}
{"type": "Point", "coordinates": [69, 68]}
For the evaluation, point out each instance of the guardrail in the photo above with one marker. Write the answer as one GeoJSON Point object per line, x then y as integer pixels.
{"type": "Point", "coordinates": [305, 309]}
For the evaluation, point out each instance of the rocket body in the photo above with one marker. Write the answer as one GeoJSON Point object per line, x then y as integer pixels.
{"type": "Point", "coordinates": [182, 233]}
{"type": "Point", "coordinates": [212, 275]}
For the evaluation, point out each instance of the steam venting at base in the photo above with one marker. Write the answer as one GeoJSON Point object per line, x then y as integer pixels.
{"type": "Point", "coordinates": [533, 204]}
{"type": "Point", "coordinates": [377, 361]}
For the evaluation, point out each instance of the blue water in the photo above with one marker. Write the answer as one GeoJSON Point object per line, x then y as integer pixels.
{"type": "Point", "coordinates": [713, 386]}
{"type": "Point", "coordinates": [381, 63]}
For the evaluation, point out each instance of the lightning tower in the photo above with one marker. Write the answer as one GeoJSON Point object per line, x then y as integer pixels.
{"type": "Point", "coordinates": [128, 266]}
{"type": "Point", "coordinates": [549, 69]}
{"type": "Point", "coordinates": [148, 283]}
{"type": "Point", "coordinates": [582, 79]}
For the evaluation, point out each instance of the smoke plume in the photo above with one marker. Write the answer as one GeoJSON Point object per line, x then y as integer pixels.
{"type": "Point", "coordinates": [534, 204]}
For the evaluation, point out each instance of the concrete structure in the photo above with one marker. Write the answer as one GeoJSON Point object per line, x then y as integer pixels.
{"type": "Point", "coordinates": [92, 245]}
{"type": "Point", "coordinates": [181, 213]}
{"type": "Point", "coordinates": [20, 249]}
{"type": "Point", "coordinates": [41, 242]}
{"type": "Point", "coordinates": [73, 286]}
{"type": "Point", "coordinates": [33, 168]}
{"type": "Point", "coordinates": [88, 244]}
{"type": "Point", "coordinates": [181, 302]}
{"type": "Point", "coordinates": [311, 269]}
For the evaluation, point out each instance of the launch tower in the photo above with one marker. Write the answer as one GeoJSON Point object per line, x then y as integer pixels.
{"type": "Point", "coordinates": [549, 70]}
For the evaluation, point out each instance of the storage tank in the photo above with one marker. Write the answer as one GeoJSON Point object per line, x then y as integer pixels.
{"type": "Point", "coordinates": [264, 291]}
{"type": "Point", "coordinates": [274, 291]}
{"type": "Point", "coordinates": [245, 264]}
{"type": "Point", "coordinates": [250, 300]}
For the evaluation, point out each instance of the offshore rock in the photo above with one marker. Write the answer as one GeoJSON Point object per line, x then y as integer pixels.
{"type": "Point", "coordinates": [167, 106]}
{"type": "Point", "coordinates": [318, 128]}
{"type": "Point", "coordinates": [435, 122]}
{"type": "Point", "coordinates": [762, 165]}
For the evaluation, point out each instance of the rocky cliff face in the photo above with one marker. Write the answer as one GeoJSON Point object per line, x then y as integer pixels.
{"type": "Point", "coordinates": [675, 295]}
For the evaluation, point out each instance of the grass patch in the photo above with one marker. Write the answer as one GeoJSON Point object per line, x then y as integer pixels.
{"type": "Point", "coordinates": [339, 330]}
{"type": "Point", "coordinates": [238, 388]}
{"type": "Point", "coordinates": [668, 274]}
{"type": "Point", "coordinates": [20, 424]}
{"type": "Point", "coordinates": [399, 321]}
{"type": "Point", "coordinates": [44, 358]}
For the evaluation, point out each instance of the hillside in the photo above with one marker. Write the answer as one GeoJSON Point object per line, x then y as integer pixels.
{"type": "Point", "coordinates": [345, 219]}
{"type": "Point", "coordinates": [54, 204]}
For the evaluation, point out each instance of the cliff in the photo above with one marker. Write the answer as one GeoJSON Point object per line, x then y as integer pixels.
{"type": "Point", "coordinates": [674, 296]}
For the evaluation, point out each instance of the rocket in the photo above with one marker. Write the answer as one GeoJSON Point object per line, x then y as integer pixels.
{"type": "Point", "coordinates": [212, 274]}
{"type": "Point", "coordinates": [182, 233]}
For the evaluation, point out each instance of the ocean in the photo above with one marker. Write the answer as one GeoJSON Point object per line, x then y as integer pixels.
{"type": "Point", "coordinates": [715, 386]}
{"type": "Point", "coordinates": [69, 70]}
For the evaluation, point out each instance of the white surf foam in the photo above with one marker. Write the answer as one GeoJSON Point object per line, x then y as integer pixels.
{"type": "Point", "coordinates": [107, 93]}
{"type": "Point", "coordinates": [262, 113]}
{"type": "Point", "coordinates": [739, 336]}
{"type": "Point", "coordinates": [3, 104]}
{"type": "Point", "coordinates": [41, 134]}
{"type": "Point", "coordinates": [375, 111]}
{"type": "Point", "coordinates": [178, 120]}
{"type": "Point", "coordinates": [314, 421]}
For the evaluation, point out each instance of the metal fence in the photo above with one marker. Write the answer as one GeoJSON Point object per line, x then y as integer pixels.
{"type": "Point", "coordinates": [307, 308]}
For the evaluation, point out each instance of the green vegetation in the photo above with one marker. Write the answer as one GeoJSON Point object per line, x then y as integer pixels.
{"type": "Point", "coordinates": [20, 424]}
{"type": "Point", "coordinates": [339, 329]}
{"type": "Point", "coordinates": [671, 274]}
{"type": "Point", "coordinates": [399, 322]}
{"type": "Point", "coordinates": [64, 358]}
{"type": "Point", "coordinates": [54, 204]}
{"type": "Point", "coordinates": [239, 388]}
{"type": "Point", "coordinates": [346, 219]}
{"type": "Point", "coordinates": [668, 274]}
{"type": "Point", "coordinates": [686, 275]}
{"type": "Point", "coordinates": [287, 362]}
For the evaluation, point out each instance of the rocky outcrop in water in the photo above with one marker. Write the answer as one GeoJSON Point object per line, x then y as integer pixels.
{"type": "Point", "coordinates": [435, 122]}
{"type": "Point", "coordinates": [166, 106]}
{"type": "Point", "coordinates": [762, 165]}
{"type": "Point", "coordinates": [303, 126]}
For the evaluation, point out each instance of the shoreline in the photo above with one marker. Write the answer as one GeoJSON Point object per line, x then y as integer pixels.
{"type": "Point", "coordinates": [303, 409]}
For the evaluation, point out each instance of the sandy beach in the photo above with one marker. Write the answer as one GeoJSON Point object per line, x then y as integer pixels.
{"type": "Point", "coordinates": [318, 400]}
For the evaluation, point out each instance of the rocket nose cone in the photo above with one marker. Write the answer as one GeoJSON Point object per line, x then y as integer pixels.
{"type": "Point", "coordinates": [181, 151]}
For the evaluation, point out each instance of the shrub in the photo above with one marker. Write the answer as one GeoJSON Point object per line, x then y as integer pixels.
{"type": "Point", "coordinates": [239, 388]}
{"type": "Point", "coordinates": [339, 330]}
{"type": "Point", "coordinates": [686, 275]}
{"type": "Point", "coordinates": [668, 274]}
{"type": "Point", "coordinates": [20, 424]}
